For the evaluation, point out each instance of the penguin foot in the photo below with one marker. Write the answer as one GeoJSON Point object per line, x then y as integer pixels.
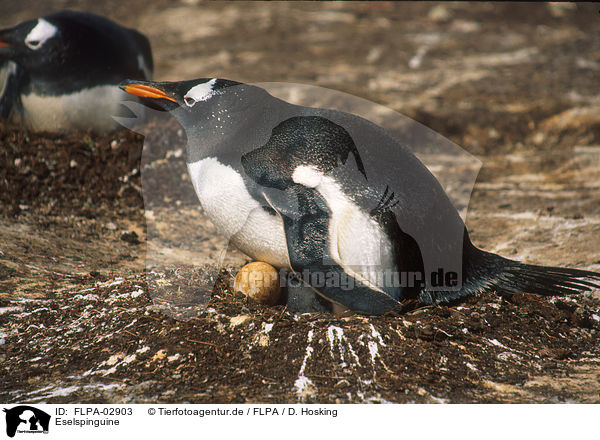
{"type": "Point", "coordinates": [303, 299]}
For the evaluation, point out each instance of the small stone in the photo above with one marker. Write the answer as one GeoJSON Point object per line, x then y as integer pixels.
{"type": "Point", "coordinates": [264, 340]}
{"type": "Point", "coordinates": [114, 359]}
{"type": "Point", "coordinates": [160, 354]}
{"type": "Point", "coordinates": [130, 237]}
{"type": "Point", "coordinates": [539, 138]}
{"type": "Point", "coordinates": [439, 14]}
{"type": "Point", "coordinates": [238, 320]}
{"type": "Point", "coordinates": [173, 357]}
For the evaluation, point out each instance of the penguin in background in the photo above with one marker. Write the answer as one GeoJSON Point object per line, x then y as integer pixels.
{"type": "Point", "coordinates": [326, 193]}
{"type": "Point", "coordinates": [61, 71]}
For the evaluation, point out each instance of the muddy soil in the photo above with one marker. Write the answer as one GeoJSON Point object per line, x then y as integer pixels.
{"type": "Point", "coordinates": [514, 85]}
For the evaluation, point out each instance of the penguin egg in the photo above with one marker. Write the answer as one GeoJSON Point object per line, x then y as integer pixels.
{"type": "Point", "coordinates": [260, 282]}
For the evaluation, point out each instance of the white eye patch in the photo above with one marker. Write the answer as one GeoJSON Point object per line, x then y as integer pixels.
{"type": "Point", "coordinates": [201, 92]}
{"type": "Point", "coordinates": [41, 33]}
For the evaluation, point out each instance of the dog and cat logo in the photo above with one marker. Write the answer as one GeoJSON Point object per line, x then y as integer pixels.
{"type": "Point", "coordinates": [26, 419]}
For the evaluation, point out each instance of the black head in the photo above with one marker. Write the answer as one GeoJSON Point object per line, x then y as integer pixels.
{"type": "Point", "coordinates": [32, 43]}
{"type": "Point", "coordinates": [194, 102]}
{"type": "Point", "coordinates": [313, 142]}
{"type": "Point", "coordinates": [76, 46]}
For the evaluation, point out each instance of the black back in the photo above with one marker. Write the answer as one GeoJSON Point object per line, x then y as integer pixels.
{"type": "Point", "coordinates": [88, 50]}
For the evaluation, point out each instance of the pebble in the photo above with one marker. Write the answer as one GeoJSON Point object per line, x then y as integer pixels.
{"type": "Point", "coordinates": [439, 14]}
{"type": "Point", "coordinates": [130, 237]}
{"type": "Point", "coordinates": [160, 354]}
{"type": "Point", "coordinates": [234, 321]}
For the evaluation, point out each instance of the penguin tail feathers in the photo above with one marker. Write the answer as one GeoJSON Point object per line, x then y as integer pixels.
{"type": "Point", "coordinates": [517, 277]}
{"type": "Point", "coordinates": [485, 271]}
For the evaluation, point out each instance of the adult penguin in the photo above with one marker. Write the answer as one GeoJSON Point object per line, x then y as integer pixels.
{"type": "Point", "coordinates": [61, 71]}
{"type": "Point", "coordinates": [333, 196]}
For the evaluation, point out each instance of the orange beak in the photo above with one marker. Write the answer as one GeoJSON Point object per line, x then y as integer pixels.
{"type": "Point", "coordinates": [144, 91]}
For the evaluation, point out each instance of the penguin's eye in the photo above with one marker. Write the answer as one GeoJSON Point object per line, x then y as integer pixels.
{"type": "Point", "coordinates": [189, 101]}
{"type": "Point", "coordinates": [34, 44]}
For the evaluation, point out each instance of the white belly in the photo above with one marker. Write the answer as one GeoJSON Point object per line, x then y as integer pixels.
{"type": "Point", "coordinates": [236, 215]}
{"type": "Point", "coordinates": [359, 245]}
{"type": "Point", "coordinates": [356, 241]}
{"type": "Point", "coordinates": [88, 109]}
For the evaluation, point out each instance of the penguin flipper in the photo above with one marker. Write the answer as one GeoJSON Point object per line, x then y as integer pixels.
{"type": "Point", "coordinates": [334, 284]}
{"type": "Point", "coordinates": [9, 91]}
{"type": "Point", "coordinates": [306, 232]}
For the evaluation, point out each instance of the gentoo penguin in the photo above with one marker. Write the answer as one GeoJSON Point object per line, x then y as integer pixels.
{"type": "Point", "coordinates": [335, 199]}
{"type": "Point", "coordinates": [61, 71]}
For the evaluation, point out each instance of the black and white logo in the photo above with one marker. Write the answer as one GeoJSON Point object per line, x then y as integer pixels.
{"type": "Point", "coordinates": [26, 419]}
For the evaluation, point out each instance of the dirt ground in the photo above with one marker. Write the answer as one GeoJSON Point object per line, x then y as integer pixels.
{"type": "Point", "coordinates": [516, 85]}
